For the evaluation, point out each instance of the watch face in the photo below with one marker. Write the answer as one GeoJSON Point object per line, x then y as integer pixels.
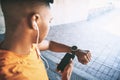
{"type": "Point", "coordinates": [74, 48]}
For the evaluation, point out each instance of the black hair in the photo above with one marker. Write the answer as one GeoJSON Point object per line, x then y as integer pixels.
{"type": "Point", "coordinates": [50, 1]}
{"type": "Point", "coordinates": [45, 1]}
{"type": "Point", "coordinates": [8, 7]}
{"type": "Point", "coordinates": [8, 2]}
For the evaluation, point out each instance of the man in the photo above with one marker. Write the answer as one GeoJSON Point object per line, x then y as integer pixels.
{"type": "Point", "coordinates": [27, 24]}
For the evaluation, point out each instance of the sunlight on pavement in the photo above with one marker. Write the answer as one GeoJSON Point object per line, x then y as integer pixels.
{"type": "Point", "coordinates": [114, 24]}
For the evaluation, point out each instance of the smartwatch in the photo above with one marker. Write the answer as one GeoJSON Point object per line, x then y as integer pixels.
{"type": "Point", "coordinates": [74, 49]}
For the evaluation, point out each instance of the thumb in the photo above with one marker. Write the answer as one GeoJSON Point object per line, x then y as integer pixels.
{"type": "Point", "coordinates": [57, 69]}
{"type": "Point", "coordinates": [70, 64]}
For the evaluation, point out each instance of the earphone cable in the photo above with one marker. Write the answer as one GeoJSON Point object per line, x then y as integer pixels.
{"type": "Point", "coordinates": [38, 51]}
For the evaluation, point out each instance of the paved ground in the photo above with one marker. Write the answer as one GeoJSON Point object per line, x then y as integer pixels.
{"type": "Point", "coordinates": [98, 35]}
{"type": "Point", "coordinates": [95, 35]}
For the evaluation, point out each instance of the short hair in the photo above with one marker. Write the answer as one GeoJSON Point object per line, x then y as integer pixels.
{"type": "Point", "coordinates": [4, 2]}
{"type": "Point", "coordinates": [48, 1]}
{"type": "Point", "coordinates": [21, 4]}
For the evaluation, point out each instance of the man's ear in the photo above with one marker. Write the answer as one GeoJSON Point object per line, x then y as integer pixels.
{"type": "Point", "coordinates": [35, 19]}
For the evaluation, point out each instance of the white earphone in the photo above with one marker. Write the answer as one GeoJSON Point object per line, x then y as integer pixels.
{"type": "Point", "coordinates": [38, 51]}
{"type": "Point", "coordinates": [35, 26]}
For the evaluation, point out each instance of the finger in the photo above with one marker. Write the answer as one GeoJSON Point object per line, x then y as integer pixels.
{"type": "Point", "coordinates": [83, 62]}
{"type": "Point", "coordinates": [86, 60]}
{"type": "Point", "coordinates": [59, 71]}
{"type": "Point", "coordinates": [89, 54]}
{"type": "Point", "coordinates": [88, 57]}
{"type": "Point", "coordinates": [70, 63]}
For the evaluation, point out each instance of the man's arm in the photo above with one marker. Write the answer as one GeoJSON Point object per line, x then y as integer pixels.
{"type": "Point", "coordinates": [53, 46]}
{"type": "Point", "coordinates": [84, 56]}
{"type": "Point", "coordinates": [44, 45]}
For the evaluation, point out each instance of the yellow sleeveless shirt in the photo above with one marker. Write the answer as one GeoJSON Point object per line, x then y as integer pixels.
{"type": "Point", "coordinates": [21, 67]}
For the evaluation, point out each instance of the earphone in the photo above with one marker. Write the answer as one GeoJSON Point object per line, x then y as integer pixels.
{"type": "Point", "coordinates": [35, 25]}
{"type": "Point", "coordinates": [37, 41]}
{"type": "Point", "coordinates": [37, 29]}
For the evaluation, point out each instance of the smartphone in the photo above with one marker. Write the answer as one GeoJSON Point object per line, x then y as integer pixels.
{"type": "Point", "coordinates": [65, 60]}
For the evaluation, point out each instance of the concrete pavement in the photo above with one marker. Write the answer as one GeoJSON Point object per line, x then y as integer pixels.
{"type": "Point", "coordinates": [96, 36]}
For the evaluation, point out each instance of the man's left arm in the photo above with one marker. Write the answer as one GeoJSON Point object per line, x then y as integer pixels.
{"type": "Point", "coordinates": [84, 56]}
{"type": "Point", "coordinates": [53, 46]}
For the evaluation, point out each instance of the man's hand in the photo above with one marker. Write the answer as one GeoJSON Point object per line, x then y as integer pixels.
{"type": "Point", "coordinates": [66, 74]}
{"type": "Point", "coordinates": [84, 56]}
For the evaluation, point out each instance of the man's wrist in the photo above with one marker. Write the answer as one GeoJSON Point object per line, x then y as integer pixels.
{"type": "Point", "coordinates": [74, 49]}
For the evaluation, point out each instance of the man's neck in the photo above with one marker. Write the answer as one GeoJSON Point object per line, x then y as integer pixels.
{"type": "Point", "coordinates": [19, 44]}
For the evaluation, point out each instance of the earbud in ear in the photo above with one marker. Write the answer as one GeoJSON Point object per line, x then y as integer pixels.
{"type": "Point", "coordinates": [35, 26]}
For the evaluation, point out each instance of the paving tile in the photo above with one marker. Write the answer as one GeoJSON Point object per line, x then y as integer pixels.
{"type": "Point", "coordinates": [106, 70]}
{"type": "Point", "coordinates": [107, 78]}
{"type": "Point", "coordinates": [116, 75]}
{"type": "Point", "coordinates": [111, 72]}
{"type": "Point", "coordinates": [98, 74]}
{"type": "Point", "coordinates": [92, 71]}
{"type": "Point", "coordinates": [97, 66]}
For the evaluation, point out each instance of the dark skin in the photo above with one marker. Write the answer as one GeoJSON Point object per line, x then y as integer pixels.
{"type": "Point", "coordinates": [84, 56]}
{"type": "Point", "coordinates": [28, 35]}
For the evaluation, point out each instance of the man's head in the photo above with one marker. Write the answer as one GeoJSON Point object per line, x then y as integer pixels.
{"type": "Point", "coordinates": [25, 14]}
